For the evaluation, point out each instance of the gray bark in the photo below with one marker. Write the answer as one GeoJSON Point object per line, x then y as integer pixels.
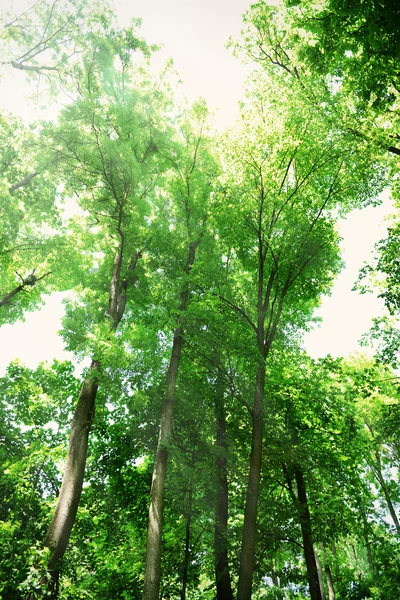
{"type": "Point", "coordinates": [329, 581]}
{"type": "Point", "coordinates": [29, 281]}
{"type": "Point", "coordinates": [247, 554]}
{"type": "Point", "coordinates": [377, 469]}
{"type": "Point", "coordinates": [152, 575]}
{"type": "Point", "coordinates": [320, 576]}
{"type": "Point", "coordinates": [59, 531]}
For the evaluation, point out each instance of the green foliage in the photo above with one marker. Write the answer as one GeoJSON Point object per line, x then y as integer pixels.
{"type": "Point", "coordinates": [148, 182]}
{"type": "Point", "coordinates": [35, 408]}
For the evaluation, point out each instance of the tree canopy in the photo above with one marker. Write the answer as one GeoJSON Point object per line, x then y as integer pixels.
{"type": "Point", "coordinates": [201, 454]}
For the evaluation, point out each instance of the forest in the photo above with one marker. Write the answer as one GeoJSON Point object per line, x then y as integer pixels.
{"type": "Point", "coordinates": [201, 454]}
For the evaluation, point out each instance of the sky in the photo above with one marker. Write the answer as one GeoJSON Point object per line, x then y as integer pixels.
{"type": "Point", "coordinates": [194, 33]}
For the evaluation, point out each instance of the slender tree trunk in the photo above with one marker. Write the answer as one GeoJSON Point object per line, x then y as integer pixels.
{"type": "Point", "coordinates": [328, 575]}
{"type": "Point", "coordinates": [222, 574]}
{"type": "Point", "coordinates": [306, 531]}
{"type": "Point", "coordinates": [28, 281]}
{"type": "Point", "coordinates": [152, 575]}
{"type": "Point", "coordinates": [367, 542]}
{"type": "Point", "coordinates": [275, 581]}
{"type": "Point", "coordinates": [329, 581]}
{"type": "Point", "coordinates": [186, 558]}
{"type": "Point", "coordinates": [247, 554]}
{"type": "Point", "coordinates": [377, 468]}
{"type": "Point", "coordinates": [320, 576]}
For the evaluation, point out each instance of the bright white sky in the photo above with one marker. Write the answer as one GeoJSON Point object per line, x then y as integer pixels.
{"type": "Point", "coordinates": [194, 33]}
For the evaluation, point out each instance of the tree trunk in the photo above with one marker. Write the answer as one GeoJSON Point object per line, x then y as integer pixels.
{"type": "Point", "coordinates": [320, 576]}
{"type": "Point", "coordinates": [328, 573]}
{"type": "Point", "coordinates": [329, 581]}
{"type": "Point", "coordinates": [58, 534]}
{"type": "Point", "coordinates": [28, 281]}
{"type": "Point", "coordinates": [222, 574]}
{"type": "Point", "coordinates": [306, 531]}
{"type": "Point", "coordinates": [152, 574]}
{"type": "Point", "coordinates": [247, 553]}
{"type": "Point", "coordinates": [377, 468]}
{"type": "Point", "coordinates": [275, 581]}
{"type": "Point", "coordinates": [367, 542]}
{"type": "Point", "coordinates": [186, 558]}
{"type": "Point", "coordinates": [59, 531]}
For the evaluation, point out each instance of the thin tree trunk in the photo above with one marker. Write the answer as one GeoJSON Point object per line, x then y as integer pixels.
{"type": "Point", "coordinates": [306, 531]}
{"type": "Point", "coordinates": [275, 581]}
{"type": "Point", "coordinates": [328, 574]}
{"type": "Point", "coordinates": [28, 281]}
{"type": "Point", "coordinates": [222, 574]}
{"type": "Point", "coordinates": [329, 581]}
{"type": "Point", "coordinates": [23, 182]}
{"type": "Point", "coordinates": [247, 554]}
{"type": "Point", "coordinates": [367, 542]}
{"type": "Point", "coordinates": [320, 576]}
{"type": "Point", "coordinates": [377, 468]}
{"type": "Point", "coordinates": [186, 558]}
{"type": "Point", "coordinates": [152, 575]}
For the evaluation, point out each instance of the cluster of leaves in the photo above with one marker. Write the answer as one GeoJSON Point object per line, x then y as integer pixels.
{"type": "Point", "coordinates": [231, 238]}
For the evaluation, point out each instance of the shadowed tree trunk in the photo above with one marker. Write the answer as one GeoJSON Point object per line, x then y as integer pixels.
{"type": "Point", "coordinates": [59, 531]}
{"type": "Point", "coordinates": [222, 574]}
{"type": "Point", "coordinates": [306, 532]}
{"type": "Point", "coordinates": [276, 582]}
{"type": "Point", "coordinates": [154, 535]}
{"type": "Point", "coordinates": [367, 542]}
{"type": "Point", "coordinates": [26, 282]}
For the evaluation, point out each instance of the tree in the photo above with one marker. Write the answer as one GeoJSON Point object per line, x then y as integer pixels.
{"type": "Point", "coordinates": [282, 196]}
{"type": "Point", "coordinates": [105, 152]}
{"type": "Point", "coordinates": [192, 187]}
{"type": "Point", "coordinates": [340, 57]}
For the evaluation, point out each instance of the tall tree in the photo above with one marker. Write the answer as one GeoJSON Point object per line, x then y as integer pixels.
{"type": "Point", "coordinates": [192, 187]}
{"type": "Point", "coordinates": [282, 196]}
{"type": "Point", "coordinates": [105, 150]}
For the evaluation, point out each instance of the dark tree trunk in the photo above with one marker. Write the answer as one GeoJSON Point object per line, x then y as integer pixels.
{"type": "Point", "coordinates": [328, 575]}
{"type": "Point", "coordinates": [23, 182]}
{"type": "Point", "coordinates": [27, 282]}
{"type": "Point", "coordinates": [222, 574]}
{"type": "Point", "coordinates": [247, 554]}
{"type": "Point", "coordinates": [306, 531]}
{"type": "Point", "coordinates": [152, 575]}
